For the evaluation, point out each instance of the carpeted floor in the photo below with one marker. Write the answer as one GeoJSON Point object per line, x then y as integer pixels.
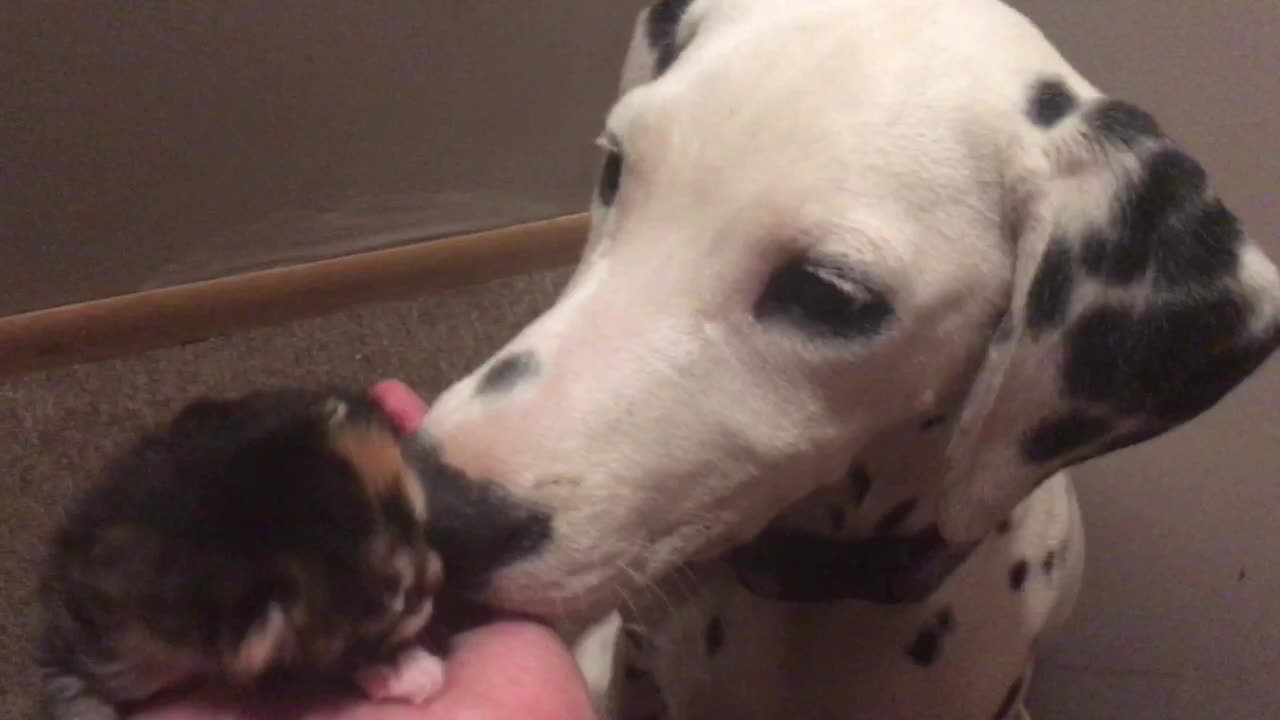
{"type": "Point", "coordinates": [1178, 620]}
{"type": "Point", "coordinates": [58, 426]}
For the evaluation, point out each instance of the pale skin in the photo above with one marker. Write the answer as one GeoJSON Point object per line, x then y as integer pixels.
{"type": "Point", "coordinates": [504, 670]}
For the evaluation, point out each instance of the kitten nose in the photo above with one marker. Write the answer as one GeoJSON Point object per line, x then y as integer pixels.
{"type": "Point", "coordinates": [476, 525]}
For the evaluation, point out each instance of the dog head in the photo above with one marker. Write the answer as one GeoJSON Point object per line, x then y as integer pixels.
{"type": "Point", "coordinates": [816, 222]}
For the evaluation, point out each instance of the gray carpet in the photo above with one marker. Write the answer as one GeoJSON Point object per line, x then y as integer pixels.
{"type": "Point", "coordinates": [58, 426]}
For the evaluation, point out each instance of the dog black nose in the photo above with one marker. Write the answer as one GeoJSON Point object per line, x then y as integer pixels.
{"type": "Point", "coordinates": [476, 525]}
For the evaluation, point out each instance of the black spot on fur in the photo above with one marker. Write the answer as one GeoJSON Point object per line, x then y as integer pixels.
{"type": "Point", "coordinates": [662, 28]}
{"type": "Point", "coordinates": [1005, 527]}
{"type": "Point", "coordinates": [1198, 245]}
{"type": "Point", "coordinates": [823, 299]}
{"type": "Point", "coordinates": [635, 673]}
{"type": "Point", "coordinates": [1059, 436]}
{"type": "Point", "coordinates": [1018, 575]}
{"type": "Point", "coordinates": [635, 639]}
{"type": "Point", "coordinates": [924, 650]}
{"type": "Point", "coordinates": [1151, 220]}
{"type": "Point", "coordinates": [1121, 123]}
{"type": "Point", "coordinates": [1049, 563]}
{"type": "Point", "coordinates": [1050, 292]}
{"type": "Point", "coordinates": [860, 484]}
{"type": "Point", "coordinates": [1171, 181]}
{"type": "Point", "coordinates": [1213, 374]}
{"type": "Point", "coordinates": [1114, 257]}
{"type": "Point", "coordinates": [1051, 101]}
{"type": "Point", "coordinates": [1095, 345]}
{"type": "Point", "coordinates": [933, 421]}
{"type": "Point", "coordinates": [714, 639]}
{"type": "Point", "coordinates": [1169, 219]}
{"type": "Point", "coordinates": [800, 567]}
{"type": "Point", "coordinates": [838, 517]}
{"type": "Point", "coordinates": [610, 177]}
{"type": "Point", "coordinates": [1010, 698]}
{"type": "Point", "coordinates": [1171, 361]}
{"type": "Point", "coordinates": [508, 372]}
{"type": "Point", "coordinates": [475, 523]}
{"type": "Point", "coordinates": [946, 620]}
{"type": "Point", "coordinates": [897, 515]}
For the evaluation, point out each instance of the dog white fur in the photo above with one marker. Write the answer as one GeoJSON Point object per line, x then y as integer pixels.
{"type": "Point", "coordinates": [901, 236]}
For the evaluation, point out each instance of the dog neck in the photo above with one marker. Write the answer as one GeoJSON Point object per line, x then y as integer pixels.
{"type": "Point", "coordinates": [870, 536]}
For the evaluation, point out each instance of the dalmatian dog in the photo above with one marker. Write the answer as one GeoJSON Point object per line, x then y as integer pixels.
{"type": "Point", "coordinates": [864, 278]}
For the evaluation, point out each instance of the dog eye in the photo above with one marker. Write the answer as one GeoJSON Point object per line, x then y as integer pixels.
{"type": "Point", "coordinates": [824, 299]}
{"type": "Point", "coordinates": [610, 177]}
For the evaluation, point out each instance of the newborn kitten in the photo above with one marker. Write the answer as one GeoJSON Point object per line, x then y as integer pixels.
{"type": "Point", "coordinates": [278, 535]}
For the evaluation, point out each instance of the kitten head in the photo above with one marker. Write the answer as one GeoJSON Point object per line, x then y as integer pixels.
{"type": "Point", "coordinates": [313, 538]}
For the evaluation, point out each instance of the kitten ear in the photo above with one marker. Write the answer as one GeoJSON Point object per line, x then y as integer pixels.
{"type": "Point", "coordinates": [333, 410]}
{"type": "Point", "coordinates": [268, 640]}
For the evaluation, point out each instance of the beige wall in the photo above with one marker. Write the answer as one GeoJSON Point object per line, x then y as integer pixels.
{"type": "Point", "coordinates": [149, 143]}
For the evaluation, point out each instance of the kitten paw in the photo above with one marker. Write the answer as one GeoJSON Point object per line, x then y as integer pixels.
{"type": "Point", "coordinates": [415, 676]}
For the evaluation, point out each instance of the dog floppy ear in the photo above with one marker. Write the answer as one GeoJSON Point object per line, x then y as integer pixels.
{"type": "Point", "coordinates": [656, 42]}
{"type": "Point", "coordinates": [1136, 304]}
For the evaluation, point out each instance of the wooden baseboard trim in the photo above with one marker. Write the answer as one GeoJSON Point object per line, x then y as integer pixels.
{"type": "Point", "coordinates": [128, 324]}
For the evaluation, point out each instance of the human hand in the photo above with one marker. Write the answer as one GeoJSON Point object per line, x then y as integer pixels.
{"type": "Point", "coordinates": [496, 672]}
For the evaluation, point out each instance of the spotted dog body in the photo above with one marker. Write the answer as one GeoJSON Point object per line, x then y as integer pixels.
{"type": "Point", "coordinates": [708, 643]}
{"type": "Point", "coordinates": [865, 277]}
